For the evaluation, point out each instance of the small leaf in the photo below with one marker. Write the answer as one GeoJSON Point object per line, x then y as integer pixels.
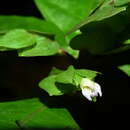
{"type": "Point", "coordinates": [43, 47]}
{"type": "Point", "coordinates": [17, 39]}
{"type": "Point", "coordinates": [66, 76]}
{"type": "Point", "coordinates": [63, 82]}
{"type": "Point", "coordinates": [127, 42]}
{"type": "Point", "coordinates": [125, 69]}
{"type": "Point", "coordinates": [55, 71]}
{"type": "Point", "coordinates": [48, 84]}
{"type": "Point", "coordinates": [87, 73]}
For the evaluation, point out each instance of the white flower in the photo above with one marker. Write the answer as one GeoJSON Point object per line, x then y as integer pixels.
{"type": "Point", "coordinates": [90, 89]}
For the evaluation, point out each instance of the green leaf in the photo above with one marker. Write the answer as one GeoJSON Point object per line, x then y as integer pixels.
{"type": "Point", "coordinates": [16, 39]}
{"type": "Point", "coordinates": [31, 24]}
{"type": "Point", "coordinates": [61, 82]}
{"type": "Point", "coordinates": [55, 71]}
{"type": "Point", "coordinates": [64, 43]}
{"type": "Point", "coordinates": [127, 42]}
{"type": "Point", "coordinates": [32, 114]}
{"type": "Point", "coordinates": [66, 76]}
{"type": "Point", "coordinates": [71, 51]}
{"type": "Point", "coordinates": [125, 69]}
{"type": "Point", "coordinates": [43, 47]}
{"type": "Point", "coordinates": [48, 84]}
{"type": "Point", "coordinates": [39, 27]}
{"type": "Point", "coordinates": [104, 11]}
{"type": "Point", "coordinates": [87, 73]}
{"type": "Point", "coordinates": [63, 13]}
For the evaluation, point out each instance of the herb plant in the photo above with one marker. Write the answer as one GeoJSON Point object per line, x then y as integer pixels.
{"type": "Point", "coordinates": [68, 27]}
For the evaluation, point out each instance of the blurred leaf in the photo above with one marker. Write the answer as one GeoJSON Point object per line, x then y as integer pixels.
{"type": "Point", "coordinates": [63, 13]}
{"type": "Point", "coordinates": [125, 69]}
{"type": "Point", "coordinates": [127, 42]}
{"type": "Point", "coordinates": [17, 39]}
{"type": "Point", "coordinates": [121, 2]}
{"type": "Point", "coordinates": [124, 47]}
{"type": "Point", "coordinates": [62, 82]}
{"type": "Point", "coordinates": [118, 50]}
{"type": "Point", "coordinates": [43, 47]}
{"type": "Point", "coordinates": [32, 114]}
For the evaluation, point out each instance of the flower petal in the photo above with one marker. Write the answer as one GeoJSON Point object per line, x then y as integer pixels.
{"type": "Point", "coordinates": [86, 93]}
{"type": "Point", "coordinates": [98, 88]}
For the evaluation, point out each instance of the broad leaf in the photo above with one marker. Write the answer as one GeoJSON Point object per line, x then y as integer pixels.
{"type": "Point", "coordinates": [66, 13]}
{"type": "Point", "coordinates": [61, 82]}
{"type": "Point", "coordinates": [125, 69]}
{"type": "Point", "coordinates": [105, 10]}
{"type": "Point", "coordinates": [43, 47]}
{"type": "Point", "coordinates": [31, 24]}
{"type": "Point", "coordinates": [16, 39]}
{"type": "Point", "coordinates": [32, 114]}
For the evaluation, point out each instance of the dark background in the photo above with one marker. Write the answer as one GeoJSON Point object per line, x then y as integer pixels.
{"type": "Point", "coordinates": [19, 78]}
